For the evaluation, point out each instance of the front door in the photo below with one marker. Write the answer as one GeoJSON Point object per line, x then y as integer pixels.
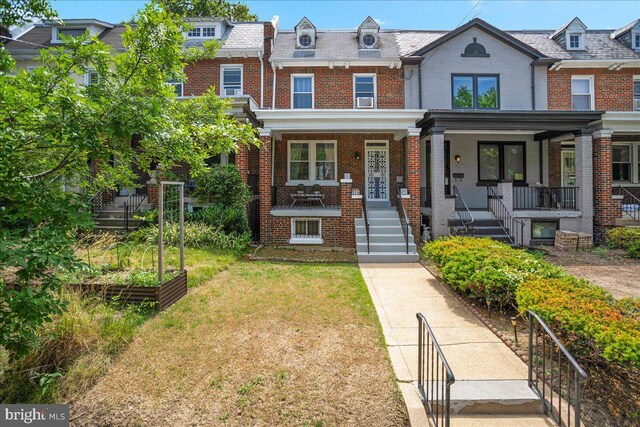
{"type": "Point", "coordinates": [568, 168]}
{"type": "Point", "coordinates": [377, 171]}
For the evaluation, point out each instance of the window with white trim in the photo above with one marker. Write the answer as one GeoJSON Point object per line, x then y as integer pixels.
{"type": "Point", "coordinates": [582, 93]}
{"type": "Point", "coordinates": [91, 78]}
{"type": "Point", "coordinates": [312, 162]}
{"type": "Point", "coordinates": [231, 76]}
{"type": "Point", "coordinates": [575, 41]}
{"type": "Point", "coordinates": [201, 32]}
{"type": "Point", "coordinates": [364, 90]}
{"type": "Point", "coordinates": [306, 230]}
{"type": "Point", "coordinates": [636, 40]}
{"type": "Point", "coordinates": [67, 32]}
{"type": "Point", "coordinates": [178, 86]}
{"type": "Point", "coordinates": [626, 162]}
{"type": "Point", "coordinates": [636, 93]}
{"type": "Point", "coordinates": [302, 91]}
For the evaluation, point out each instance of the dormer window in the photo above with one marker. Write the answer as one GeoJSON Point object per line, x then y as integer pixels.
{"type": "Point", "coordinates": [305, 34]}
{"type": "Point", "coordinates": [575, 41]}
{"type": "Point", "coordinates": [368, 34]}
{"type": "Point", "coordinates": [369, 40]}
{"type": "Point", "coordinates": [636, 40]}
{"type": "Point", "coordinates": [66, 32]}
{"type": "Point", "coordinates": [202, 32]}
{"type": "Point", "coordinates": [305, 40]}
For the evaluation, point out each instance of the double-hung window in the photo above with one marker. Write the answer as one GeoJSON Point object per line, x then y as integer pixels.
{"type": "Point", "coordinates": [636, 92]}
{"type": "Point", "coordinates": [364, 89]}
{"type": "Point", "coordinates": [575, 41]}
{"type": "Point", "coordinates": [501, 161]}
{"type": "Point", "coordinates": [621, 166]}
{"type": "Point", "coordinates": [312, 162]}
{"type": "Point", "coordinates": [475, 91]}
{"type": "Point", "coordinates": [231, 76]}
{"type": "Point", "coordinates": [582, 93]}
{"type": "Point", "coordinates": [178, 86]}
{"type": "Point", "coordinates": [302, 91]}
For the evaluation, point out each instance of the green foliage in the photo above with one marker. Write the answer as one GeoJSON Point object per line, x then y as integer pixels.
{"type": "Point", "coordinates": [463, 98]}
{"type": "Point", "coordinates": [634, 249]}
{"type": "Point", "coordinates": [220, 8]}
{"type": "Point", "coordinates": [488, 99]}
{"type": "Point", "coordinates": [625, 238]}
{"type": "Point", "coordinates": [222, 185]}
{"type": "Point", "coordinates": [228, 219]}
{"type": "Point", "coordinates": [587, 312]}
{"type": "Point", "coordinates": [19, 12]}
{"type": "Point", "coordinates": [148, 217]}
{"type": "Point", "coordinates": [196, 235]}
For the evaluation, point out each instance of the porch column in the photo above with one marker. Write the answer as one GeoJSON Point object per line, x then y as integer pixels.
{"type": "Point", "coordinates": [584, 178]}
{"type": "Point", "coordinates": [605, 208]}
{"type": "Point", "coordinates": [242, 162]}
{"type": "Point", "coordinates": [264, 184]}
{"type": "Point", "coordinates": [439, 211]}
{"type": "Point", "coordinates": [505, 189]}
{"type": "Point", "coordinates": [413, 181]}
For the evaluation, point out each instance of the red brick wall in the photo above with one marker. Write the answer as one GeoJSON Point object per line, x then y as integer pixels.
{"type": "Point", "coordinates": [555, 165]}
{"type": "Point", "coordinates": [605, 211]}
{"type": "Point", "coordinates": [280, 232]}
{"type": "Point", "coordinates": [264, 185]}
{"type": "Point", "coordinates": [206, 73]}
{"type": "Point", "coordinates": [347, 144]}
{"type": "Point", "coordinates": [613, 89]}
{"type": "Point", "coordinates": [333, 88]}
{"type": "Point", "coordinates": [412, 205]}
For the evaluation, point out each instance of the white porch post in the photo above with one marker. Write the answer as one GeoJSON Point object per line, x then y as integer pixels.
{"type": "Point", "coordinates": [584, 179]}
{"type": "Point", "coordinates": [440, 209]}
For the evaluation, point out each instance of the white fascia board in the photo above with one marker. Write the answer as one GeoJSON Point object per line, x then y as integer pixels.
{"type": "Point", "coordinates": [344, 63]}
{"type": "Point", "coordinates": [614, 64]}
{"type": "Point", "coordinates": [621, 121]}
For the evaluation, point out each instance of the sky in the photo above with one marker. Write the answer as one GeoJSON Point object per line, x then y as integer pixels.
{"type": "Point", "coordinates": [400, 14]}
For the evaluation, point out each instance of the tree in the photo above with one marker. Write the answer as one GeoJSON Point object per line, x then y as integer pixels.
{"type": "Point", "coordinates": [19, 12]}
{"type": "Point", "coordinates": [463, 98]}
{"type": "Point", "coordinates": [218, 8]}
{"type": "Point", "coordinates": [50, 127]}
{"type": "Point", "coordinates": [488, 99]}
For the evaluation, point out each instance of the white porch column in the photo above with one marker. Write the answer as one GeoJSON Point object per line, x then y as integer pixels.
{"type": "Point", "coordinates": [584, 179]}
{"type": "Point", "coordinates": [441, 207]}
{"type": "Point", "coordinates": [505, 189]}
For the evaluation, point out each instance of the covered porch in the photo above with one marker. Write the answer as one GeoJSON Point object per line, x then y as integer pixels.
{"type": "Point", "coordinates": [491, 170]}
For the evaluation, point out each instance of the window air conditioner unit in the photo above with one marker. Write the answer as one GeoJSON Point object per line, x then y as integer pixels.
{"type": "Point", "coordinates": [364, 102]}
{"type": "Point", "coordinates": [233, 92]}
{"type": "Point", "coordinates": [636, 105]}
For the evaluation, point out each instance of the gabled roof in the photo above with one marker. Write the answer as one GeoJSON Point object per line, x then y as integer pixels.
{"type": "Point", "coordinates": [487, 28]}
{"type": "Point", "coordinates": [304, 24]}
{"type": "Point", "coordinates": [564, 27]}
{"type": "Point", "coordinates": [620, 31]}
{"type": "Point", "coordinates": [369, 23]}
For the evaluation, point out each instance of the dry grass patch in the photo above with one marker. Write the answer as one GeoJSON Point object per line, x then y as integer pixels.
{"type": "Point", "coordinates": [259, 344]}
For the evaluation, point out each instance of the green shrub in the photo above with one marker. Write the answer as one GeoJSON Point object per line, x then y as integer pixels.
{"type": "Point", "coordinates": [196, 235]}
{"type": "Point", "coordinates": [148, 217]}
{"type": "Point", "coordinates": [586, 311]}
{"type": "Point", "coordinates": [223, 185]}
{"type": "Point", "coordinates": [634, 249]}
{"type": "Point", "coordinates": [622, 237]}
{"type": "Point", "coordinates": [228, 219]}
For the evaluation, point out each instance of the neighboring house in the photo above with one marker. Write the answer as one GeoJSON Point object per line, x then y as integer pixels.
{"type": "Point", "coordinates": [372, 138]}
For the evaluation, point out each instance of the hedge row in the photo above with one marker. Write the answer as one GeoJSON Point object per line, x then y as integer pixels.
{"type": "Point", "coordinates": [488, 270]}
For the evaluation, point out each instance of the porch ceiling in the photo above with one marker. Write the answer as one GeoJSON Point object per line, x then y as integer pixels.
{"type": "Point", "coordinates": [544, 124]}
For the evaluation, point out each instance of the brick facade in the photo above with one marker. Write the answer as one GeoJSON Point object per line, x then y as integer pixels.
{"type": "Point", "coordinates": [605, 209]}
{"type": "Point", "coordinates": [412, 205]}
{"type": "Point", "coordinates": [264, 185]}
{"type": "Point", "coordinates": [555, 164]}
{"type": "Point", "coordinates": [613, 89]}
{"type": "Point", "coordinates": [205, 74]}
{"type": "Point", "coordinates": [333, 87]}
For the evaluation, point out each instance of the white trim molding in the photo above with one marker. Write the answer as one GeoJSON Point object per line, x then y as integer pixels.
{"type": "Point", "coordinates": [222, 88]}
{"type": "Point", "coordinates": [602, 133]}
{"type": "Point", "coordinates": [312, 160]}
{"type": "Point", "coordinates": [313, 89]}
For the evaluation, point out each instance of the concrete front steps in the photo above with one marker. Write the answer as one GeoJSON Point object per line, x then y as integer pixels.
{"type": "Point", "coordinates": [491, 228]}
{"type": "Point", "coordinates": [386, 238]}
{"type": "Point", "coordinates": [111, 217]}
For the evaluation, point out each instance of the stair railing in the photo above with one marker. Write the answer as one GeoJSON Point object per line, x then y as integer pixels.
{"type": "Point", "coordinates": [463, 212]}
{"type": "Point", "coordinates": [513, 228]}
{"type": "Point", "coordinates": [97, 201]}
{"type": "Point", "coordinates": [434, 375]}
{"type": "Point", "coordinates": [556, 377]}
{"type": "Point", "coordinates": [404, 219]}
{"type": "Point", "coordinates": [132, 204]}
{"type": "Point", "coordinates": [366, 217]}
{"type": "Point", "coordinates": [630, 204]}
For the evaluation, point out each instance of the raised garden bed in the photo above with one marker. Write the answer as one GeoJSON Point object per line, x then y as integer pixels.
{"type": "Point", "coordinates": [164, 295]}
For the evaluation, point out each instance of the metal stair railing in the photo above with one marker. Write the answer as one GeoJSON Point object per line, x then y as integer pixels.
{"type": "Point", "coordinates": [366, 217]}
{"type": "Point", "coordinates": [132, 204]}
{"type": "Point", "coordinates": [404, 219]}
{"type": "Point", "coordinates": [513, 228]}
{"type": "Point", "coordinates": [463, 212]}
{"type": "Point", "coordinates": [554, 375]}
{"type": "Point", "coordinates": [630, 204]}
{"type": "Point", "coordinates": [434, 376]}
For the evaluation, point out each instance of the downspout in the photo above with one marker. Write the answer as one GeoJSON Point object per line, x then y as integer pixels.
{"type": "Point", "coordinates": [420, 85]}
{"type": "Point", "coordinates": [533, 86]}
{"type": "Point", "coordinates": [260, 56]}
{"type": "Point", "coordinates": [540, 160]}
{"type": "Point", "coordinates": [273, 90]}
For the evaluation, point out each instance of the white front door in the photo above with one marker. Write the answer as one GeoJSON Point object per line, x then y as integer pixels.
{"type": "Point", "coordinates": [377, 171]}
{"type": "Point", "coordinates": [568, 168]}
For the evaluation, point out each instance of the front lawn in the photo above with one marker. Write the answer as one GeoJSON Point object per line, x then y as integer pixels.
{"type": "Point", "coordinates": [259, 344]}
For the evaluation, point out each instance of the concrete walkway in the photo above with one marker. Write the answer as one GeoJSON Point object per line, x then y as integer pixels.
{"type": "Point", "coordinates": [474, 353]}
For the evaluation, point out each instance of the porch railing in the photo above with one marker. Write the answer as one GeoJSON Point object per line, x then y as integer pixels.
{"type": "Point", "coordinates": [545, 198]}
{"type": "Point", "coordinates": [98, 201]}
{"type": "Point", "coordinates": [513, 228]}
{"type": "Point", "coordinates": [463, 212]}
{"type": "Point", "coordinates": [425, 197]}
{"type": "Point", "coordinates": [434, 375]}
{"type": "Point", "coordinates": [404, 219]}
{"type": "Point", "coordinates": [366, 217]}
{"type": "Point", "coordinates": [630, 203]}
{"type": "Point", "coordinates": [132, 204]}
{"type": "Point", "coordinates": [554, 374]}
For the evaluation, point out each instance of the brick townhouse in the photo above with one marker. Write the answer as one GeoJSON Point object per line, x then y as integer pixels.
{"type": "Point", "coordinates": [374, 138]}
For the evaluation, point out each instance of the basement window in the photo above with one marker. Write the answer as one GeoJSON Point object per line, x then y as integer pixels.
{"type": "Point", "coordinates": [544, 232]}
{"type": "Point", "coordinates": [306, 231]}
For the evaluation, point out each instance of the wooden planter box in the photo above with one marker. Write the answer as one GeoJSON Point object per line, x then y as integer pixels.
{"type": "Point", "coordinates": [164, 295]}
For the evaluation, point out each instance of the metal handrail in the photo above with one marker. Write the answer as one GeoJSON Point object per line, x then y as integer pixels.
{"type": "Point", "coordinates": [96, 202]}
{"type": "Point", "coordinates": [463, 212]}
{"type": "Point", "coordinates": [553, 362]}
{"type": "Point", "coordinates": [434, 375]}
{"type": "Point", "coordinates": [132, 204]}
{"type": "Point", "coordinates": [545, 198]}
{"type": "Point", "coordinates": [366, 217]}
{"type": "Point", "coordinates": [505, 218]}
{"type": "Point", "coordinates": [404, 219]}
{"type": "Point", "coordinates": [631, 199]}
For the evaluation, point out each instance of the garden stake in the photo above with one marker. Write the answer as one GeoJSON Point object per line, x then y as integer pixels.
{"type": "Point", "coordinates": [515, 330]}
